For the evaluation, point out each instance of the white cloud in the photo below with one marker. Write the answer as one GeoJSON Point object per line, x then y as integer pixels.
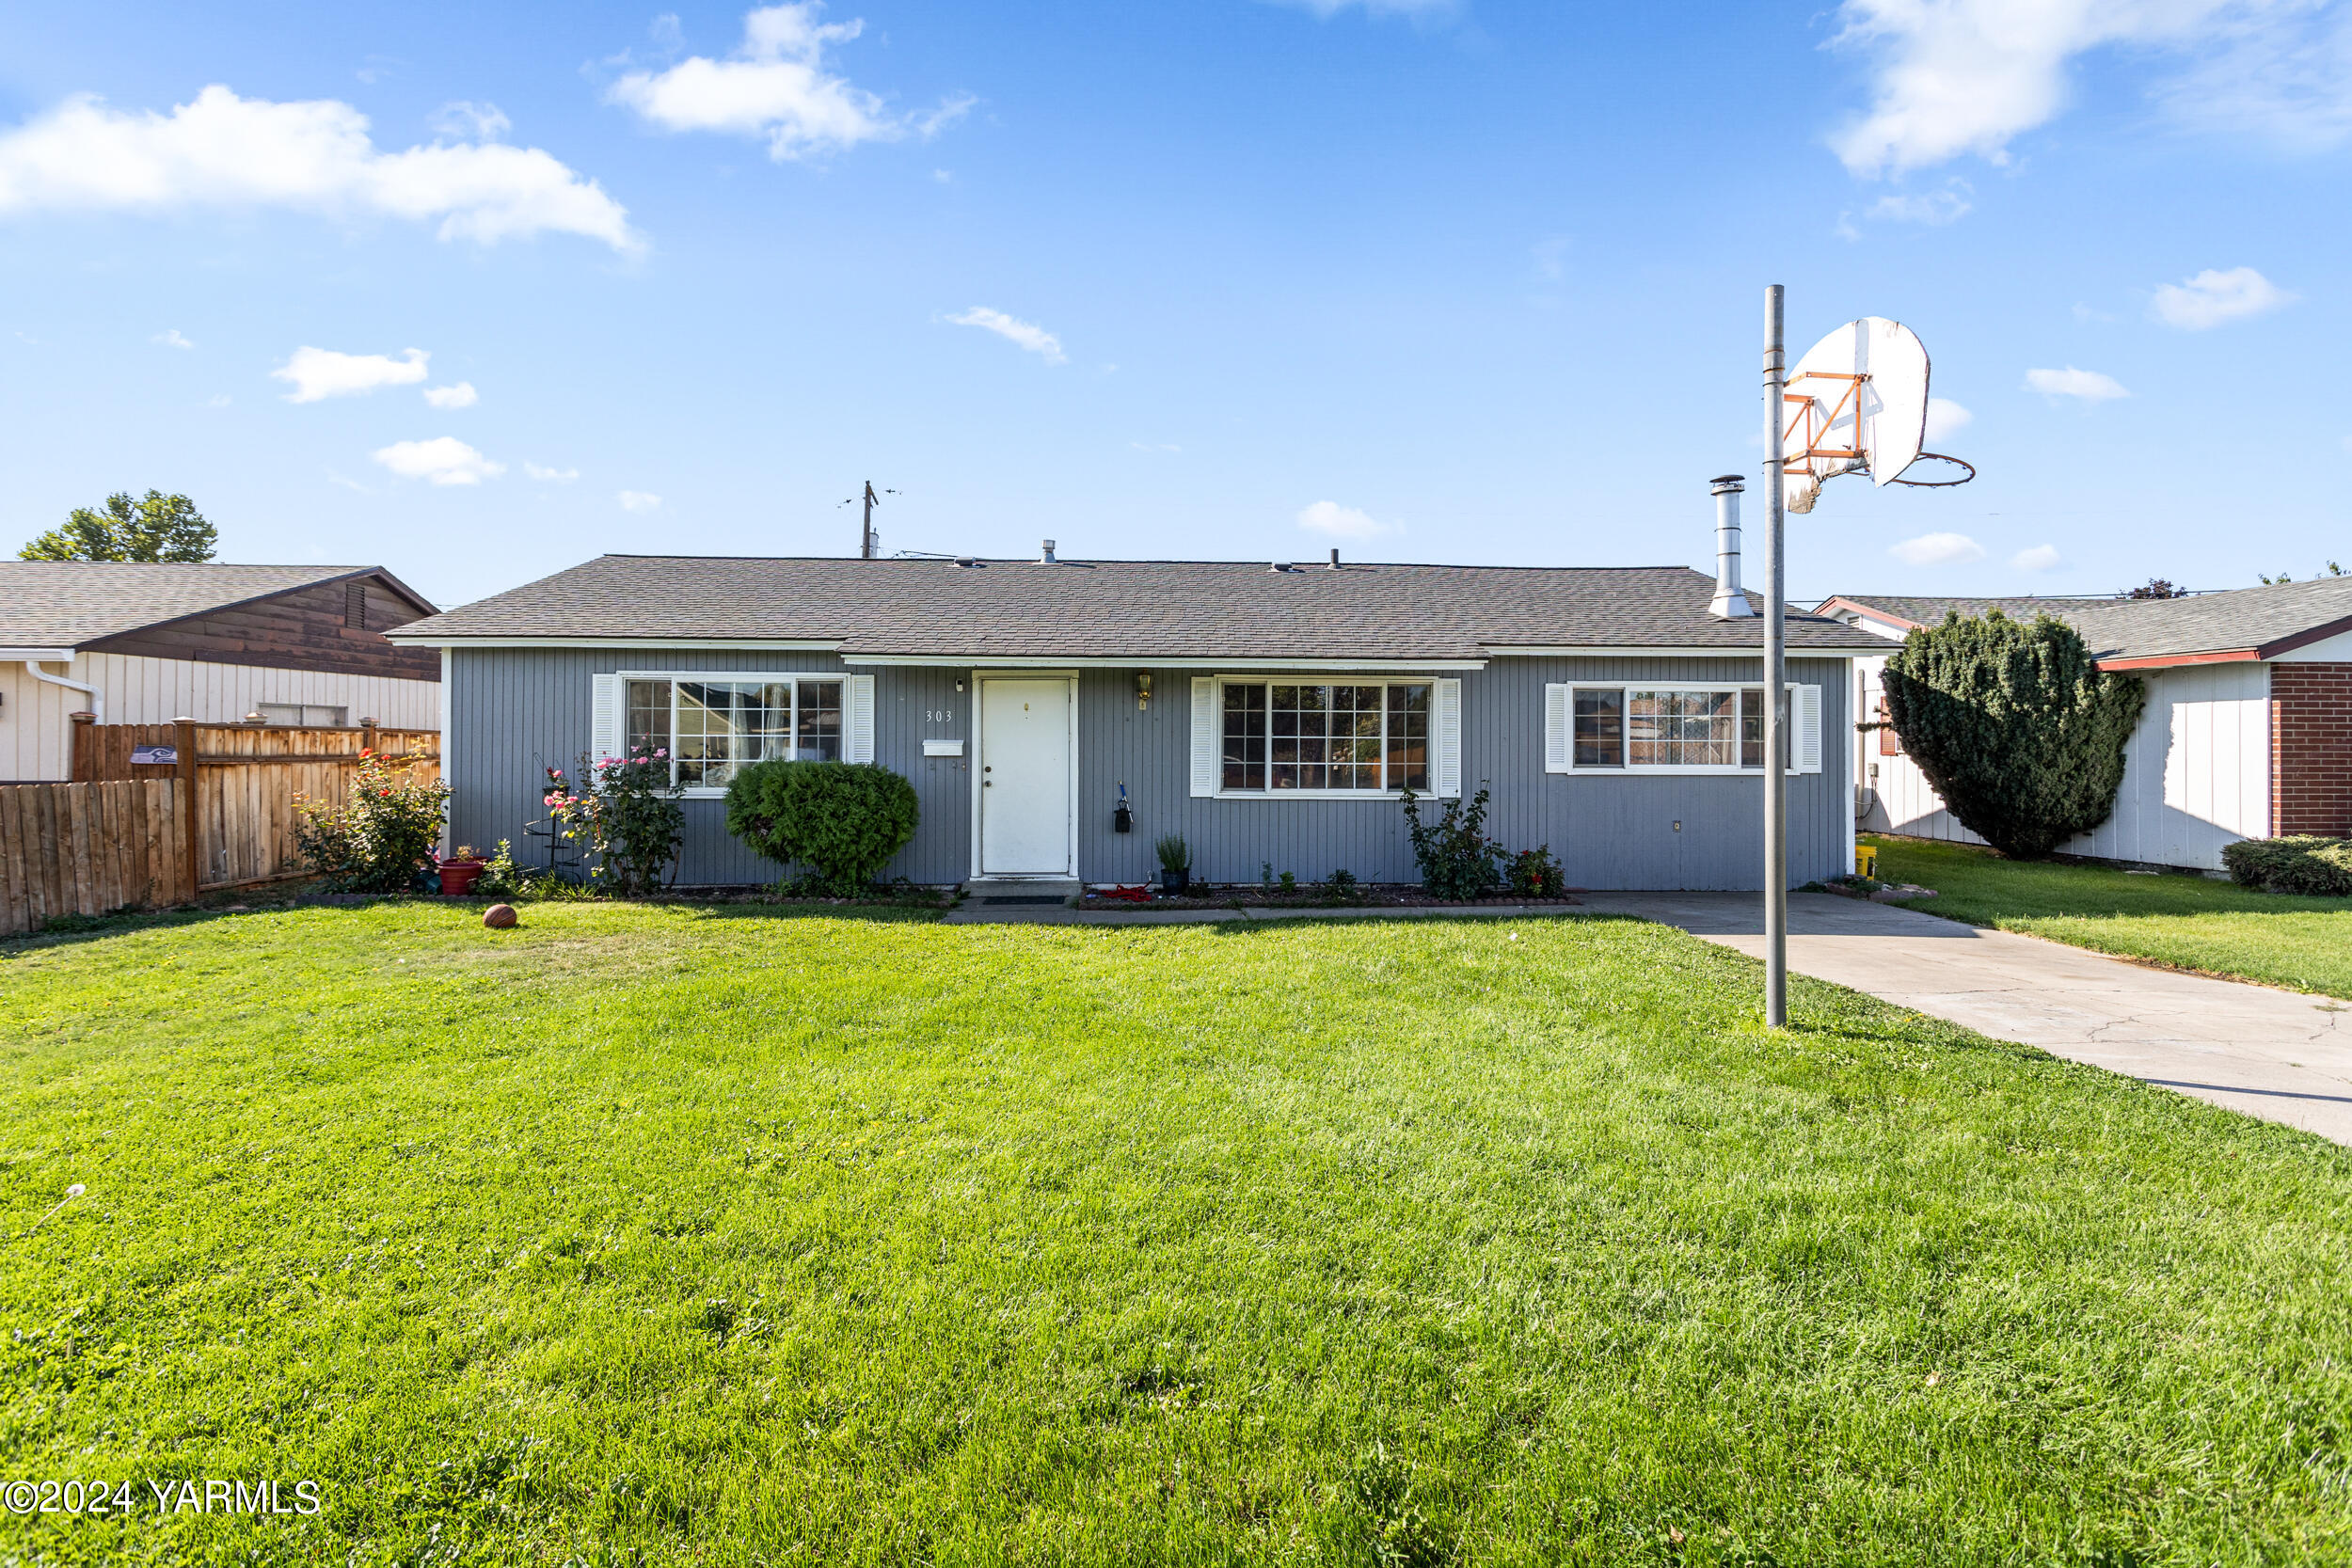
{"type": "Point", "coordinates": [554, 476]}
{"type": "Point", "coordinates": [462, 395]}
{"type": "Point", "coordinates": [321, 373]}
{"type": "Point", "coordinates": [1944, 417]}
{"type": "Point", "coordinates": [218, 400]}
{"type": "Point", "coordinates": [1937, 550]}
{"type": "Point", "coordinates": [2090, 386]}
{"type": "Point", "coordinates": [2213, 296]}
{"type": "Point", "coordinates": [1933, 208]}
{"type": "Point", "coordinates": [1013, 329]}
{"type": "Point", "coordinates": [443, 460]}
{"type": "Point", "coordinates": [169, 337]}
{"type": "Point", "coordinates": [2041, 558]}
{"type": "Point", "coordinates": [638, 501]}
{"type": "Point", "coordinates": [777, 85]}
{"type": "Point", "coordinates": [222, 150]}
{"type": "Point", "coordinates": [1345, 522]}
{"type": "Point", "coordinates": [1961, 76]}
{"type": "Point", "coordinates": [466, 121]}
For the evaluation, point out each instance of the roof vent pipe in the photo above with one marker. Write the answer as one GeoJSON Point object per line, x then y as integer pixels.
{"type": "Point", "coordinates": [1045, 553]}
{"type": "Point", "coordinates": [1335, 558]}
{"type": "Point", "coordinates": [1730, 603]}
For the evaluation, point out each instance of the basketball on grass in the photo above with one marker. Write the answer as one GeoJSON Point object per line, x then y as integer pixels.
{"type": "Point", "coordinates": [498, 917]}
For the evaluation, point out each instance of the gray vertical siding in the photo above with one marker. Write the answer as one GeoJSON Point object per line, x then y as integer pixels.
{"type": "Point", "coordinates": [1608, 831]}
{"type": "Point", "coordinates": [515, 711]}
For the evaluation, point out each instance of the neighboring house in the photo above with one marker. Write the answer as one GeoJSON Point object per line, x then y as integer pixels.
{"type": "Point", "coordinates": [2248, 731]}
{"type": "Point", "coordinates": [147, 642]}
{"type": "Point", "coordinates": [1270, 715]}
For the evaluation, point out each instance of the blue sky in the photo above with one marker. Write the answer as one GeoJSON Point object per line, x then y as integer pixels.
{"type": "Point", "coordinates": [1471, 281]}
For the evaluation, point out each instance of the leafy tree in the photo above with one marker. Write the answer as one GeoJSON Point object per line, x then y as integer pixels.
{"type": "Point", "coordinates": [845, 819]}
{"type": "Point", "coordinates": [2159, 588]}
{"type": "Point", "coordinates": [158, 528]}
{"type": "Point", "coordinates": [2015, 725]}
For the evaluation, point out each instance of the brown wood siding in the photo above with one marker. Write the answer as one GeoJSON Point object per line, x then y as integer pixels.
{"type": "Point", "coordinates": [299, 629]}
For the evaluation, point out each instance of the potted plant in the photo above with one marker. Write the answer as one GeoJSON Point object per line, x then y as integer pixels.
{"type": "Point", "coordinates": [1175, 864]}
{"type": "Point", "coordinates": [459, 871]}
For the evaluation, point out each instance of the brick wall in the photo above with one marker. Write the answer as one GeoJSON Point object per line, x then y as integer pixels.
{"type": "Point", "coordinates": [2310, 749]}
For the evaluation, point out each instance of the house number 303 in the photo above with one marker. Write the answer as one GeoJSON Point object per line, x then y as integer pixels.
{"type": "Point", "coordinates": [937, 716]}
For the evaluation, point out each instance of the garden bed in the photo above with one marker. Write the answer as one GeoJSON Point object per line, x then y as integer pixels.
{"type": "Point", "coordinates": [1252, 896]}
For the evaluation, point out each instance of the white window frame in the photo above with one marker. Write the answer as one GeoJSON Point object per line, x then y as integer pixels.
{"type": "Point", "coordinates": [1322, 677]}
{"type": "Point", "coordinates": [746, 677]}
{"type": "Point", "coordinates": [1625, 691]}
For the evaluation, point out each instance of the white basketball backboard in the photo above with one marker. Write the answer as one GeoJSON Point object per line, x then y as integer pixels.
{"type": "Point", "coordinates": [1857, 402]}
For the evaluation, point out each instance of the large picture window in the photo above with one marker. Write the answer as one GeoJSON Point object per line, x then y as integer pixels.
{"type": "Point", "coordinates": [712, 726]}
{"type": "Point", "coordinates": [1635, 727]}
{"type": "Point", "coordinates": [1280, 738]}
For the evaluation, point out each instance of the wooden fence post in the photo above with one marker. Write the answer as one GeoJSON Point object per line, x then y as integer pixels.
{"type": "Point", "coordinates": [367, 734]}
{"type": "Point", "coordinates": [183, 787]}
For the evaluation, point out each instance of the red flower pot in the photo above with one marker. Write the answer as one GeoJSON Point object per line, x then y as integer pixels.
{"type": "Point", "coordinates": [458, 877]}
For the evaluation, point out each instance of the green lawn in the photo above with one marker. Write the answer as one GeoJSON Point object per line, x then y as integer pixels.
{"type": "Point", "coordinates": [656, 1235]}
{"type": "Point", "coordinates": [2178, 919]}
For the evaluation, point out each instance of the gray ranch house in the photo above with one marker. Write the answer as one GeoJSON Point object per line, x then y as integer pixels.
{"type": "Point", "coordinates": [1271, 715]}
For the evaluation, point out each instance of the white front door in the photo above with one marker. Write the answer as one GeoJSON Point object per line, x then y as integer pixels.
{"type": "Point", "coordinates": [1025, 777]}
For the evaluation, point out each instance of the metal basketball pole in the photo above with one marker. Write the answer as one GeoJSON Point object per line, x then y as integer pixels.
{"type": "Point", "coordinates": [1775, 679]}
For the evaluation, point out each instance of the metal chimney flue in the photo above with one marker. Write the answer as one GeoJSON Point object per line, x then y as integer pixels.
{"type": "Point", "coordinates": [1045, 553]}
{"type": "Point", "coordinates": [1731, 602]}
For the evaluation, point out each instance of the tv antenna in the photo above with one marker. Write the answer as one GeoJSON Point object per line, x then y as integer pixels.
{"type": "Point", "coordinates": [868, 542]}
{"type": "Point", "coordinates": [1857, 402]}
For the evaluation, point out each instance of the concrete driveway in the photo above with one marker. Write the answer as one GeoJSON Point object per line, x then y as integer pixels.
{"type": "Point", "coordinates": [2271, 1053]}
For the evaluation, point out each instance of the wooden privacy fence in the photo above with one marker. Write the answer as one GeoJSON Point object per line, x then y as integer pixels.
{"type": "Point", "coordinates": [158, 813]}
{"type": "Point", "coordinates": [89, 848]}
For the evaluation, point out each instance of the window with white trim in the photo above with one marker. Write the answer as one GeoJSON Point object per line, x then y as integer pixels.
{"type": "Point", "coordinates": [1686, 728]}
{"type": "Point", "coordinates": [711, 725]}
{"type": "Point", "coordinates": [1283, 738]}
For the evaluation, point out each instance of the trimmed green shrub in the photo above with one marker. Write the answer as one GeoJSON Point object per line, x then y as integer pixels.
{"type": "Point", "coordinates": [845, 819]}
{"type": "Point", "coordinates": [2318, 866]}
{"type": "Point", "coordinates": [2015, 725]}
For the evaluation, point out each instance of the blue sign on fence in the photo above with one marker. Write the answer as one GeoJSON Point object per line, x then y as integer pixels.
{"type": "Point", "coordinates": [154, 757]}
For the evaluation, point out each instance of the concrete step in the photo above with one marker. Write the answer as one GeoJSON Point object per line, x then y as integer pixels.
{"type": "Point", "coordinates": [1034, 894]}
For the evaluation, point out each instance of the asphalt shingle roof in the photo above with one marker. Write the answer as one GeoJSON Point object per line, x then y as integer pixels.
{"type": "Point", "coordinates": [2268, 618]}
{"type": "Point", "coordinates": [63, 604]}
{"type": "Point", "coordinates": [1139, 609]}
{"type": "Point", "coordinates": [1928, 610]}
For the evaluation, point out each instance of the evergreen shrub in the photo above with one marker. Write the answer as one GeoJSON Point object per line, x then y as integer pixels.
{"type": "Point", "coordinates": [2014, 724]}
{"type": "Point", "coordinates": [2306, 864]}
{"type": "Point", "coordinates": [845, 819]}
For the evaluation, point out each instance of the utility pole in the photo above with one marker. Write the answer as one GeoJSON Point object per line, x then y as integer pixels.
{"type": "Point", "coordinates": [866, 544]}
{"type": "Point", "coordinates": [1775, 675]}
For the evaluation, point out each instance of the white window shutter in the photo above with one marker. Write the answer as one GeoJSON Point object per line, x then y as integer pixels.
{"type": "Point", "coordinates": [1447, 727]}
{"type": "Point", "coordinates": [1555, 728]}
{"type": "Point", "coordinates": [859, 745]}
{"type": "Point", "coordinates": [1804, 721]}
{"type": "Point", "coordinates": [604, 736]}
{"type": "Point", "coordinates": [1205, 739]}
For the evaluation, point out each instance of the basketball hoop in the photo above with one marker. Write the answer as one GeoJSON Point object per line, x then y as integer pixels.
{"type": "Point", "coordinates": [1942, 484]}
{"type": "Point", "coordinates": [1857, 402]}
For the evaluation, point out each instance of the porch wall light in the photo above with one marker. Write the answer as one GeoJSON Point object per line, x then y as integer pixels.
{"type": "Point", "coordinates": [1143, 693]}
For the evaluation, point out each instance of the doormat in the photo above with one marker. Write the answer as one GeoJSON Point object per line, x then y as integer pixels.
{"type": "Point", "coordinates": [1023, 898]}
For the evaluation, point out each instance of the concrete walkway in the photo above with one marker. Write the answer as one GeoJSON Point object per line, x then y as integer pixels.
{"type": "Point", "coordinates": [2276, 1054]}
{"type": "Point", "coordinates": [980, 914]}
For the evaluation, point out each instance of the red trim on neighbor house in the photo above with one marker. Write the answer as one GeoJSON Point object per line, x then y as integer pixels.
{"type": "Point", "coordinates": [2166, 661]}
{"type": "Point", "coordinates": [2292, 641]}
{"type": "Point", "coordinates": [2310, 749]}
